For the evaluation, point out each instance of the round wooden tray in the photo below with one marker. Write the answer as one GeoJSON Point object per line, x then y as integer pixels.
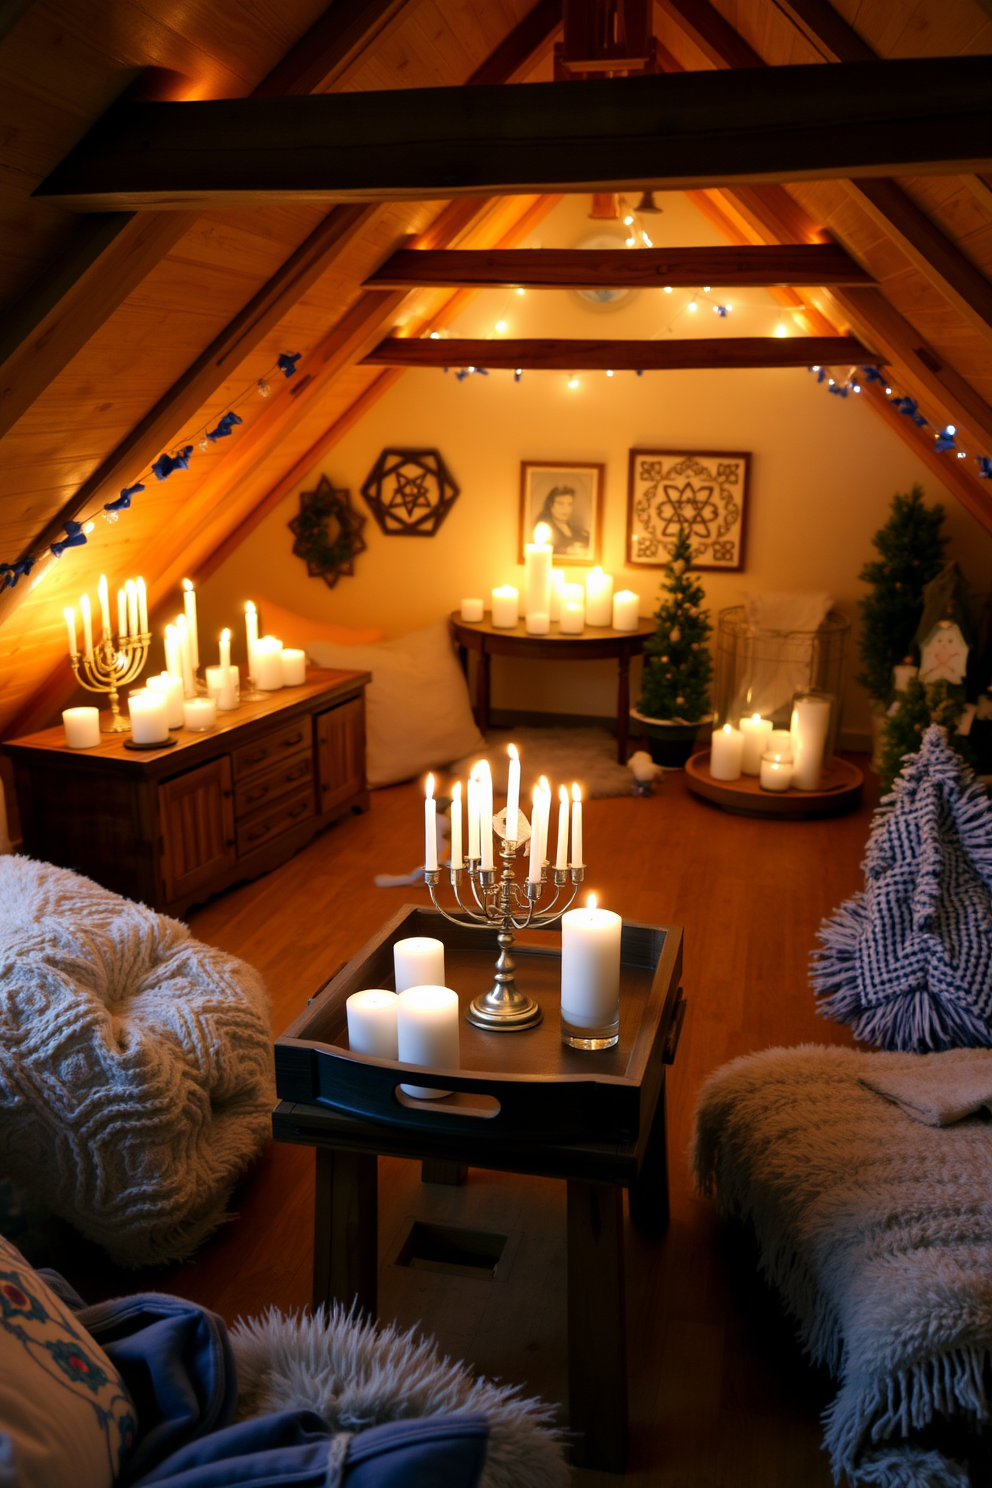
{"type": "Point", "coordinates": [840, 790]}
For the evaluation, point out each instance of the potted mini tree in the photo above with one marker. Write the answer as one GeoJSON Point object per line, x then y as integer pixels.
{"type": "Point", "coordinates": [910, 546]}
{"type": "Point", "coordinates": [675, 699]}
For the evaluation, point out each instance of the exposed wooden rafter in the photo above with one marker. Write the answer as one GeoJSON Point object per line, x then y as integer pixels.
{"type": "Point", "coordinates": [941, 261]}
{"type": "Point", "coordinates": [629, 355]}
{"type": "Point", "coordinates": [591, 268]}
{"type": "Point", "coordinates": [695, 129]}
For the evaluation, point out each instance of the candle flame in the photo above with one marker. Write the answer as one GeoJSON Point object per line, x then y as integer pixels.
{"type": "Point", "coordinates": [545, 785]}
{"type": "Point", "coordinates": [430, 787]}
{"type": "Point", "coordinates": [225, 635]}
{"type": "Point", "coordinates": [755, 717]}
{"type": "Point", "coordinates": [576, 793]}
{"type": "Point", "coordinates": [727, 729]}
{"type": "Point", "coordinates": [597, 572]}
{"type": "Point", "coordinates": [187, 584]}
{"type": "Point", "coordinates": [591, 902]}
{"type": "Point", "coordinates": [513, 752]}
{"type": "Point", "coordinates": [250, 607]}
{"type": "Point", "coordinates": [542, 534]}
{"type": "Point", "coordinates": [69, 612]}
{"type": "Point", "coordinates": [170, 631]}
{"type": "Point", "coordinates": [563, 795]}
{"type": "Point", "coordinates": [456, 793]}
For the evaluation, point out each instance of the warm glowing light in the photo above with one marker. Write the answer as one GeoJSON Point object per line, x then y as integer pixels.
{"type": "Point", "coordinates": [728, 308]}
{"type": "Point", "coordinates": [430, 787]}
{"type": "Point", "coordinates": [456, 792]}
{"type": "Point", "coordinates": [631, 241]}
{"type": "Point", "coordinates": [88, 528]}
{"type": "Point", "coordinates": [609, 374]}
{"type": "Point", "coordinates": [668, 289]}
{"type": "Point", "coordinates": [628, 220]}
{"type": "Point", "coordinates": [816, 369]}
{"type": "Point", "coordinates": [573, 382]}
{"type": "Point", "coordinates": [225, 635]}
{"type": "Point", "coordinates": [187, 584]}
{"type": "Point", "coordinates": [781, 330]}
{"type": "Point", "coordinates": [951, 429]}
{"type": "Point", "coordinates": [542, 536]}
{"type": "Point", "coordinates": [706, 289]}
{"type": "Point", "coordinates": [512, 752]}
{"type": "Point", "coordinates": [501, 326]}
{"type": "Point", "coordinates": [471, 369]}
{"type": "Point", "coordinates": [961, 455]}
{"type": "Point", "coordinates": [888, 391]}
{"type": "Point", "coordinates": [855, 387]}
{"type": "Point", "coordinates": [646, 240]}
{"type": "Point", "coordinates": [435, 335]}
{"type": "Point", "coordinates": [727, 729]}
{"type": "Point", "coordinates": [576, 793]}
{"type": "Point", "coordinates": [519, 372]}
{"type": "Point", "coordinates": [692, 305]}
{"type": "Point", "coordinates": [519, 291]}
{"type": "Point", "coordinates": [563, 795]}
{"type": "Point", "coordinates": [830, 382]}
{"type": "Point", "coordinates": [591, 902]}
{"type": "Point", "coordinates": [755, 717]}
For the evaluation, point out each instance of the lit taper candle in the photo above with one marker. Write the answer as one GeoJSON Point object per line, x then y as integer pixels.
{"type": "Point", "coordinates": [456, 826]}
{"type": "Point", "coordinates": [472, 791]}
{"type": "Point", "coordinates": [561, 855]}
{"type": "Point", "coordinates": [513, 794]}
{"type": "Point", "coordinates": [577, 860]}
{"type": "Point", "coordinates": [189, 606]}
{"type": "Point", "coordinates": [485, 779]}
{"type": "Point", "coordinates": [104, 604]}
{"type": "Point", "coordinates": [534, 873]}
{"type": "Point", "coordinates": [430, 828]}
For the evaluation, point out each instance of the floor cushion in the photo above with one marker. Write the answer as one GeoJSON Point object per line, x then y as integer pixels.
{"type": "Point", "coordinates": [65, 1413]}
{"type": "Point", "coordinates": [136, 1064]}
{"type": "Point", "coordinates": [296, 630]}
{"type": "Point", "coordinates": [418, 715]}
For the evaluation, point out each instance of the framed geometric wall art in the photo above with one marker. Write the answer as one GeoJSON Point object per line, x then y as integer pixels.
{"type": "Point", "coordinates": [568, 498]}
{"type": "Point", "coordinates": [328, 532]}
{"type": "Point", "coordinates": [705, 492]}
{"type": "Point", "coordinates": [410, 492]}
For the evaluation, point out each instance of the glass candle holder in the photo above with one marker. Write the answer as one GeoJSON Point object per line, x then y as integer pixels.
{"type": "Point", "coordinates": [776, 773]}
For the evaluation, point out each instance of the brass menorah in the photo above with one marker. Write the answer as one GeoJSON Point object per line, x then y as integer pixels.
{"type": "Point", "coordinates": [108, 667]}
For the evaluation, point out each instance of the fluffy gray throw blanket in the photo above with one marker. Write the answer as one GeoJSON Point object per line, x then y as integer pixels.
{"type": "Point", "coordinates": [356, 1376]}
{"type": "Point", "coordinates": [875, 1228]}
{"type": "Point", "coordinates": [136, 1064]}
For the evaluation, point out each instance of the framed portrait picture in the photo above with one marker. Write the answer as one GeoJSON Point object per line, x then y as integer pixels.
{"type": "Point", "coordinates": [704, 492]}
{"type": "Point", "coordinates": [569, 498]}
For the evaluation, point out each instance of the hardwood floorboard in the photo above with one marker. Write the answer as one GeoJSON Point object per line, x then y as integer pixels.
{"type": "Point", "coordinates": [720, 1394]}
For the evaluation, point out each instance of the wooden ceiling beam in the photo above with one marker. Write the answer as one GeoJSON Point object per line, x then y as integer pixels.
{"type": "Point", "coordinates": [629, 355]}
{"type": "Point", "coordinates": [930, 251]}
{"type": "Point", "coordinates": [109, 257]}
{"type": "Point", "coordinates": [673, 131]}
{"type": "Point", "coordinates": [618, 268]}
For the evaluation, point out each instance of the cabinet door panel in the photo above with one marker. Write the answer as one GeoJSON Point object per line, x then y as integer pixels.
{"type": "Point", "coordinates": [197, 815]}
{"type": "Point", "coordinates": [341, 753]}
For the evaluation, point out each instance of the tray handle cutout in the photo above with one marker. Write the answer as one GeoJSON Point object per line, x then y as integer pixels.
{"type": "Point", "coordinates": [455, 1103]}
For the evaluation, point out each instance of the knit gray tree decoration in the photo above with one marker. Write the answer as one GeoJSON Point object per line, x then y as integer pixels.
{"type": "Point", "coordinates": [908, 962]}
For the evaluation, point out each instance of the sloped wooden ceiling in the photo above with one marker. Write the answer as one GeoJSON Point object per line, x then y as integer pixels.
{"type": "Point", "coordinates": [125, 334]}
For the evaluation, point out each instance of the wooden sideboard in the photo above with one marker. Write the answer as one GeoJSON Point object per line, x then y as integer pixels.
{"type": "Point", "coordinates": [172, 826]}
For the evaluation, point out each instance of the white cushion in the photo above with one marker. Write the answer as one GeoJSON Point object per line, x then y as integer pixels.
{"type": "Point", "coordinates": [65, 1413]}
{"type": "Point", "coordinates": [418, 715]}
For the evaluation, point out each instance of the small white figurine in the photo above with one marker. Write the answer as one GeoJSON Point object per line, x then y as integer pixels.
{"type": "Point", "coordinates": [644, 771]}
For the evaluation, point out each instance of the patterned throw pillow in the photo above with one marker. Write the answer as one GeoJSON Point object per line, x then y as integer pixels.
{"type": "Point", "coordinates": [65, 1414]}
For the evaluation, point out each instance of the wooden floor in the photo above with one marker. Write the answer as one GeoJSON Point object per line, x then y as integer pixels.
{"type": "Point", "coordinates": [721, 1396]}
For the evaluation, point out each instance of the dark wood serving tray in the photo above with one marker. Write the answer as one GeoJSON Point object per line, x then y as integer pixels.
{"type": "Point", "coordinates": [510, 1085]}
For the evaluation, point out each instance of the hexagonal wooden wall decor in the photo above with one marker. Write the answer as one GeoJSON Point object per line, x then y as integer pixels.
{"type": "Point", "coordinates": [328, 532]}
{"type": "Point", "coordinates": [410, 492]}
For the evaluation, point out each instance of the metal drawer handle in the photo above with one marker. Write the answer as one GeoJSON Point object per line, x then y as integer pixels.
{"type": "Point", "coordinates": [253, 759]}
{"type": "Point", "coordinates": [256, 795]}
{"type": "Point", "coordinates": [299, 771]}
{"type": "Point", "coordinates": [299, 810]}
{"type": "Point", "coordinates": [296, 739]}
{"type": "Point", "coordinates": [258, 832]}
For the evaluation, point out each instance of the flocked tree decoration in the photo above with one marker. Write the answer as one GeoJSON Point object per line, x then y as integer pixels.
{"type": "Point", "coordinates": [919, 707]}
{"type": "Point", "coordinates": [678, 666]}
{"type": "Point", "coordinates": [911, 552]}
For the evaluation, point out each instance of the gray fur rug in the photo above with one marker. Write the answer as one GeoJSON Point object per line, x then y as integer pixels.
{"type": "Point", "coordinates": [355, 1376]}
{"type": "Point", "coordinates": [588, 755]}
{"type": "Point", "coordinates": [876, 1229]}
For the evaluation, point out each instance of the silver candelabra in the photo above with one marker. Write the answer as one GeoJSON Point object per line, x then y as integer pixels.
{"type": "Point", "coordinates": [108, 667]}
{"type": "Point", "coordinates": [500, 901]}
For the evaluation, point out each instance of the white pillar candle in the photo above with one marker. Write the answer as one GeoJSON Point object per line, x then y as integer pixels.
{"type": "Point", "coordinates": [599, 597]}
{"type": "Point", "coordinates": [512, 794]}
{"type": "Point", "coordinates": [902, 675]}
{"type": "Point", "coordinates": [780, 743]}
{"type": "Point", "coordinates": [473, 610]}
{"type": "Point", "coordinates": [121, 615]}
{"type": "Point", "coordinates": [626, 610]}
{"type": "Point", "coordinates": [222, 686]}
{"type": "Point", "coordinates": [148, 714]}
{"type": "Point", "coordinates": [472, 792]}
{"type": "Point", "coordinates": [756, 731]}
{"type": "Point", "coordinates": [84, 610]}
{"type": "Point", "coordinates": [171, 689]}
{"type": "Point", "coordinates": [554, 606]}
{"type": "Point", "coordinates": [810, 726]}
{"type": "Point", "coordinates": [142, 607]}
{"type": "Point", "coordinates": [427, 1033]}
{"type": "Point", "coordinates": [577, 859]}
{"type": "Point", "coordinates": [251, 636]}
{"type": "Point", "coordinates": [538, 624]}
{"type": "Point", "coordinates": [561, 851]}
{"type": "Point", "coordinates": [189, 606]}
{"type": "Point", "coordinates": [537, 573]}
{"type": "Point", "coordinates": [485, 779]}
{"type": "Point", "coordinates": [82, 727]}
{"type": "Point", "coordinates": [573, 616]}
{"type": "Point", "coordinates": [457, 861]}
{"type": "Point", "coordinates": [70, 625]}
{"type": "Point", "coordinates": [104, 605]}
{"type": "Point", "coordinates": [268, 664]}
{"type": "Point", "coordinates": [590, 966]}
{"type": "Point", "coordinates": [505, 607]}
{"type": "Point", "coordinates": [726, 753]}
{"type": "Point", "coordinates": [418, 961]}
{"type": "Point", "coordinates": [776, 774]}
{"type": "Point", "coordinates": [199, 714]}
{"type": "Point", "coordinates": [294, 668]}
{"type": "Point", "coordinates": [131, 590]}
{"type": "Point", "coordinates": [173, 658]}
{"type": "Point", "coordinates": [430, 828]}
{"type": "Point", "coordinates": [182, 631]}
{"type": "Point", "coordinates": [372, 1017]}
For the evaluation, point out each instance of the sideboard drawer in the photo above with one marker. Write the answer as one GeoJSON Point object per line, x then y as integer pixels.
{"type": "Point", "coordinates": [254, 831]}
{"type": "Point", "coordinates": [268, 785]}
{"type": "Point", "coordinates": [273, 747]}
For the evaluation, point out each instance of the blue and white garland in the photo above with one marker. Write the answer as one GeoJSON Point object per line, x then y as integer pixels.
{"type": "Point", "coordinates": [178, 458]}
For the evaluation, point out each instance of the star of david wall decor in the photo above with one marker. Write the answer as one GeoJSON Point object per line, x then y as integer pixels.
{"type": "Point", "coordinates": [706, 493]}
{"type": "Point", "coordinates": [328, 532]}
{"type": "Point", "coordinates": [410, 492]}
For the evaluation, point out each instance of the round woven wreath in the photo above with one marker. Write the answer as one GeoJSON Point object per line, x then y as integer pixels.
{"type": "Point", "coordinates": [328, 532]}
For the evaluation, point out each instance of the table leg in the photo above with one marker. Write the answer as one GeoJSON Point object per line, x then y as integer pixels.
{"type": "Point", "coordinates": [597, 1326]}
{"type": "Point", "coordinates": [623, 704]}
{"type": "Point", "coordinates": [648, 1197]}
{"type": "Point", "coordinates": [482, 691]}
{"type": "Point", "coordinates": [438, 1170]}
{"type": "Point", "coordinates": [345, 1229]}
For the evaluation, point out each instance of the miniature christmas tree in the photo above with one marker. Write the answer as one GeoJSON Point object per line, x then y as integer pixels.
{"type": "Point", "coordinates": [911, 553]}
{"type": "Point", "coordinates": [920, 707]}
{"type": "Point", "coordinates": [678, 665]}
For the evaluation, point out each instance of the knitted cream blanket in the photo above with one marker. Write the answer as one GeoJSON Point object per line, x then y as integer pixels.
{"type": "Point", "coordinates": [877, 1231]}
{"type": "Point", "coordinates": [136, 1064]}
